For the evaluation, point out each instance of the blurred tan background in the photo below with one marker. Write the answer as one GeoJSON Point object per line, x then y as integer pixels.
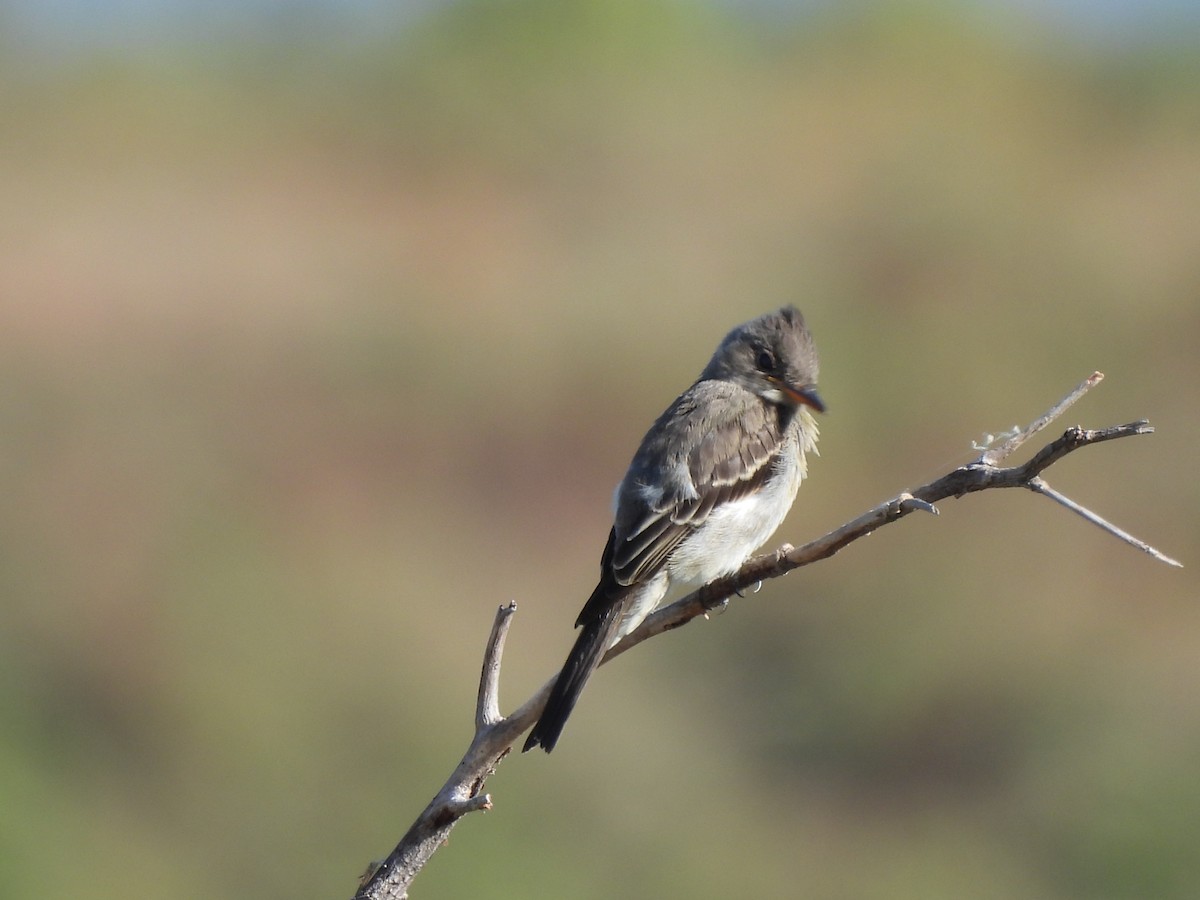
{"type": "Point", "coordinates": [319, 344]}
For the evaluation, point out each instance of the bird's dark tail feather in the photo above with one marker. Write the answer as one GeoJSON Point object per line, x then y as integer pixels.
{"type": "Point", "coordinates": [582, 661]}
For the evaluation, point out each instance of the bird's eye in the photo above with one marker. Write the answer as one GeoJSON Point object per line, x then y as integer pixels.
{"type": "Point", "coordinates": [765, 360]}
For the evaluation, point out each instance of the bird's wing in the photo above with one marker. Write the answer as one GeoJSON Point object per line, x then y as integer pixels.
{"type": "Point", "coordinates": [723, 460]}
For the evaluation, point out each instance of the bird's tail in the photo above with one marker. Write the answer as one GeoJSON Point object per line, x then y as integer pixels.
{"type": "Point", "coordinates": [594, 638]}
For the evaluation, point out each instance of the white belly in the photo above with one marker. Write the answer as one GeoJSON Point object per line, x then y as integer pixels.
{"type": "Point", "coordinates": [738, 528]}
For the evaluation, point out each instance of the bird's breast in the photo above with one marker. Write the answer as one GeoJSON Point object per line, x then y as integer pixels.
{"type": "Point", "coordinates": [738, 527]}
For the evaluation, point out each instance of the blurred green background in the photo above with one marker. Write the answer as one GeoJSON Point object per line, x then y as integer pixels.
{"type": "Point", "coordinates": [319, 345]}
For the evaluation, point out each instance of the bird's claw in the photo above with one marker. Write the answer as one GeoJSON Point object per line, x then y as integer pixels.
{"type": "Point", "coordinates": [722, 604]}
{"type": "Point", "coordinates": [754, 590]}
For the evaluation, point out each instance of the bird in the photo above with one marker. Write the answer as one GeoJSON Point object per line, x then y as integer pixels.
{"type": "Point", "coordinates": [709, 484]}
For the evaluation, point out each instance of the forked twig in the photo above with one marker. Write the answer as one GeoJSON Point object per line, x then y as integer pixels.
{"type": "Point", "coordinates": [1020, 436]}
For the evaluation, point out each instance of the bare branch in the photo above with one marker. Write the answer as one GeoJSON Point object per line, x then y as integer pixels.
{"type": "Point", "coordinates": [1040, 486]}
{"type": "Point", "coordinates": [1005, 450]}
{"type": "Point", "coordinates": [973, 477]}
{"type": "Point", "coordinates": [495, 736]}
{"type": "Point", "coordinates": [463, 792]}
{"type": "Point", "coordinates": [487, 708]}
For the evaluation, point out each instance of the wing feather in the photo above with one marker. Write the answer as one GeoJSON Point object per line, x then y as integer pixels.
{"type": "Point", "coordinates": [664, 498]}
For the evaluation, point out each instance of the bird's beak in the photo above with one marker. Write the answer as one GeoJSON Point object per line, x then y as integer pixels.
{"type": "Point", "coordinates": [805, 396]}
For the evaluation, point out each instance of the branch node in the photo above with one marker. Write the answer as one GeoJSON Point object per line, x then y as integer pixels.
{"type": "Point", "coordinates": [908, 503]}
{"type": "Point", "coordinates": [478, 803]}
{"type": "Point", "coordinates": [456, 807]}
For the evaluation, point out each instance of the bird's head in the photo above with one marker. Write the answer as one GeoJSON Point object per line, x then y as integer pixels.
{"type": "Point", "coordinates": [773, 356]}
